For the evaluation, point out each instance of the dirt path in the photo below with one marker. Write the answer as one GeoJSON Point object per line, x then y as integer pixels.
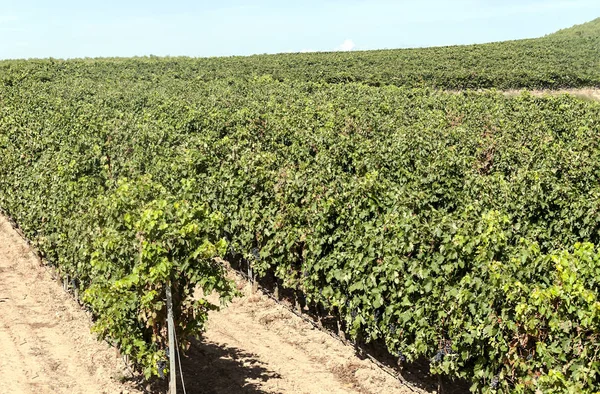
{"type": "Point", "coordinates": [45, 337]}
{"type": "Point", "coordinates": [590, 94]}
{"type": "Point", "coordinates": [584, 93]}
{"type": "Point", "coordinates": [257, 346]}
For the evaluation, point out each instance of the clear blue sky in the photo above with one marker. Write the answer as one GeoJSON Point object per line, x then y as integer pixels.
{"type": "Point", "coordinates": [79, 28]}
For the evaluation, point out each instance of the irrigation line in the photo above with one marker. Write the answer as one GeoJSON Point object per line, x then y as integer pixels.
{"type": "Point", "coordinates": [179, 360]}
{"type": "Point", "coordinates": [374, 360]}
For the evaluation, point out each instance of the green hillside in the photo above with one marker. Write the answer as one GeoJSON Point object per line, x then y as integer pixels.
{"type": "Point", "coordinates": [589, 29]}
{"type": "Point", "coordinates": [567, 59]}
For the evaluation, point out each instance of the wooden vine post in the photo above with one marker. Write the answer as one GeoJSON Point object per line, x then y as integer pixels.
{"type": "Point", "coordinates": [171, 333]}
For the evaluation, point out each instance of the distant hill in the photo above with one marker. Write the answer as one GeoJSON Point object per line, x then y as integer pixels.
{"type": "Point", "coordinates": [589, 29]}
{"type": "Point", "coordinates": [569, 58]}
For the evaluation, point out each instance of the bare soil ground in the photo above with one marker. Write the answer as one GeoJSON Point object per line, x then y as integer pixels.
{"type": "Point", "coordinates": [590, 94]}
{"type": "Point", "coordinates": [586, 94]}
{"type": "Point", "coordinates": [258, 346]}
{"type": "Point", "coordinates": [45, 340]}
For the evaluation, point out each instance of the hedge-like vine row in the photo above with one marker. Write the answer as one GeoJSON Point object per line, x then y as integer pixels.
{"type": "Point", "coordinates": [458, 227]}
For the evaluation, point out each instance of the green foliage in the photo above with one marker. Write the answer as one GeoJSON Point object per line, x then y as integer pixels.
{"type": "Point", "coordinates": [144, 239]}
{"type": "Point", "coordinates": [121, 242]}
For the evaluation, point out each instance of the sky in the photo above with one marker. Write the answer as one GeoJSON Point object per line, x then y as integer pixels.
{"type": "Point", "coordinates": [109, 28]}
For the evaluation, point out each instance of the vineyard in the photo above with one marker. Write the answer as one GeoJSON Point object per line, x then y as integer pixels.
{"type": "Point", "coordinates": [568, 58]}
{"type": "Point", "coordinates": [460, 227]}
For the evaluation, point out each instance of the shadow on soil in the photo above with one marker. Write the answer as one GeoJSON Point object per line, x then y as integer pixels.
{"type": "Point", "coordinates": [210, 368]}
{"type": "Point", "coordinates": [416, 374]}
